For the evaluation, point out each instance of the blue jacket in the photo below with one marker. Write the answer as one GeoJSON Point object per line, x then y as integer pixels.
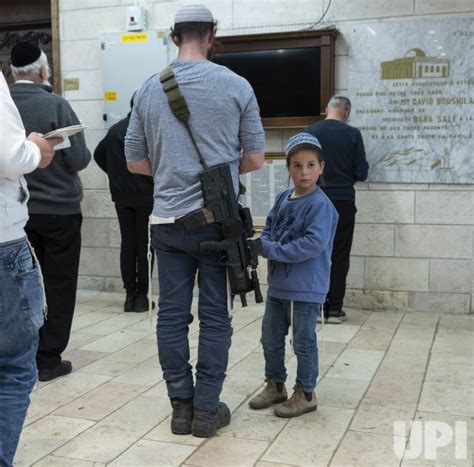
{"type": "Point", "coordinates": [297, 241]}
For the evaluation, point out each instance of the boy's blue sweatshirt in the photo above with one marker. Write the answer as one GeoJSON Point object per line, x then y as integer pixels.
{"type": "Point", "coordinates": [297, 241]}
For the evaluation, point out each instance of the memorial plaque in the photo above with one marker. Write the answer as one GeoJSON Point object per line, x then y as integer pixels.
{"type": "Point", "coordinates": [412, 89]}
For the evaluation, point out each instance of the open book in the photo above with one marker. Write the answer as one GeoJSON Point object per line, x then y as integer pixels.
{"type": "Point", "coordinates": [64, 133]}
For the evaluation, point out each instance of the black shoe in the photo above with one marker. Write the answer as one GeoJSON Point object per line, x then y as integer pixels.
{"type": "Point", "coordinates": [333, 316]}
{"type": "Point", "coordinates": [182, 416]}
{"type": "Point", "coordinates": [129, 304]}
{"type": "Point", "coordinates": [207, 422]}
{"type": "Point", "coordinates": [142, 303]}
{"type": "Point", "coordinates": [64, 367]}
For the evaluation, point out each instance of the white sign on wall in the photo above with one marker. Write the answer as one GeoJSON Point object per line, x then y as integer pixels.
{"type": "Point", "coordinates": [412, 89]}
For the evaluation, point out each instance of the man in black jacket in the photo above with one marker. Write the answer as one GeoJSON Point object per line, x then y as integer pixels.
{"type": "Point", "coordinates": [133, 198]}
{"type": "Point", "coordinates": [346, 164]}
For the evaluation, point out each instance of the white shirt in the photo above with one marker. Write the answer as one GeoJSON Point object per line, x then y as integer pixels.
{"type": "Point", "coordinates": [17, 157]}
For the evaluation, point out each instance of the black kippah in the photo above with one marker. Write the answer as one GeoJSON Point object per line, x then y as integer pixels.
{"type": "Point", "coordinates": [24, 53]}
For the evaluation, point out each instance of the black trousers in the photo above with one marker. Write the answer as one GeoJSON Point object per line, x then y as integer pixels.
{"type": "Point", "coordinates": [56, 240]}
{"type": "Point", "coordinates": [133, 222]}
{"type": "Point", "coordinates": [341, 254]}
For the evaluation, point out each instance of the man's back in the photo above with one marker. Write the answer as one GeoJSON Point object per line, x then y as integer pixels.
{"type": "Point", "coordinates": [224, 119]}
{"type": "Point", "coordinates": [58, 189]}
{"type": "Point", "coordinates": [344, 154]}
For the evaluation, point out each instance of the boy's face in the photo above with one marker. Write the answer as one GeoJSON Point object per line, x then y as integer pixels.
{"type": "Point", "coordinates": [305, 170]}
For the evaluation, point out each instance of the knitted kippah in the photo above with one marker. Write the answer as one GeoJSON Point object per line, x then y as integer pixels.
{"type": "Point", "coordinates": [302, 138]}
{"type": "Point", "coordinates": [193, 13]}
{"type": "Point", "coordinates": [25, 53]}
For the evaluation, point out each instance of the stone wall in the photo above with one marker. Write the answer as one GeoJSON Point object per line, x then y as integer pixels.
{"type": "Point", "coordinates": [413, 245]}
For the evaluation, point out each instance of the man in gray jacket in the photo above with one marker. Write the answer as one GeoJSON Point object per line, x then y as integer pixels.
{"type": "Point", "coordinates": [21, 293]}
{"type": "Point", "coordinates": [54, 226]}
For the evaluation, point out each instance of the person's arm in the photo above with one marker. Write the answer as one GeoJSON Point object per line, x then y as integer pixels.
{"type": "Point", "coordinates": [100, 154]}
{"type": "Point", "coordinates": [361, 166]}
{"type": "Point", "coordinates": [311, 244]}
{"type": "Point", "coordinates": [252, 137]}
{"type": "Point", "coordinates": [19, 156]}
{"type": "Point", "coordinates": [136, 149]}
{"type": "Point", "coordinates": [77, 156]}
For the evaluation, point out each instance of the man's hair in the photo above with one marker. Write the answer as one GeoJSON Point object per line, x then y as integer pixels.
{"type": "Point", "coordinates": [342, 102]}
{"type": "Point", "coordinates": [33, 68]}
{"type": "Point", "coordinates": [192, 31]}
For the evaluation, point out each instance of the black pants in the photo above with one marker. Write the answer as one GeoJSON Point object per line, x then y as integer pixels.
{"type": "Point", "coordinates": [341, 254]}
{"type": "Point", "coordinates": [57, 243]}
{"type": "Point", "coordinates": [133, 222]}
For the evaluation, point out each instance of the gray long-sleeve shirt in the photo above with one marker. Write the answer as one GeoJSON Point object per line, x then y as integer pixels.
{"type": "Point", "coordinates": [58, 188]}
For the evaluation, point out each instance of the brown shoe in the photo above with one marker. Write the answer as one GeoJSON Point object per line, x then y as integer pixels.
{"type": "Point", "coordinates": [268, 396]}
{"type": "Point", "coordinates": [296, 405]}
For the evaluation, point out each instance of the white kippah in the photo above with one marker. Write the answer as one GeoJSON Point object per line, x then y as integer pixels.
{"type": "Point", "coordinates": [193, 13]}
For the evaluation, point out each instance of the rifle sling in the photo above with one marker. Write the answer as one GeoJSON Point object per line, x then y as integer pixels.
{"type": "Point", "coordinates": [178, 105]}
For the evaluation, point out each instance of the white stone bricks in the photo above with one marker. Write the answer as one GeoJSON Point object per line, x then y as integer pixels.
{"type": "Point", "coordinates": [97, 203]}
{"type": "Point", "coordinates": [89, 113]}
{"type": "Point", "coordinates": [444, 302]}
{"type": "Point", "coordinates": [360, 9]}
{"type": "Point", "coordinates": [376, 299]}
{"type": "Point", "coordinates": [90, 85]}
{"type": "Point", "coordinates": [433, 241]}
{"type": "Point", "coordinates": [95, 232]}
{"type": "Point", "coordinates": [449, 207]}
{"type": "Point", "coordinates": [251, 13]}
{"type": "Point", "coordinates": [385, 207]}
{"type": "Point", "coordinates": [93, 138]}
{"type": "Point", "coordinates": [355, 278]}
{"type": "Point", "coordinates": [456, 276]}
{"type": "Point", "coordinates": [442, 6]}
{"type": "Point", "coordinates": [273, 141]}
{"type": "Point", "coordinates": [80, 55]}
{"type": "Point", "coordinates": [341, 72]}
{"type": "Point", "coordinates": [373, 240]}
{"type": "Point", "coordinates": [90, 23]}
{"type": "Point", "coordinates": [100, 262]}
{"type": "Point", "coordinates": [65, 5]}
{"type": "Point", "coordinates": [93, 177]}
{"type": "Point", "coordinates": [397, 274]}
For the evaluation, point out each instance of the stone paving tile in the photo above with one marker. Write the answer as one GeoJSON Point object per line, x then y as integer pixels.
{"type": "Point", "coordinates": [455, 322]}
{"type": "Point", "coordinates": [455, 342]}
{"type": "Point", "coordinates": [67, 388]}
{"type": "Point", "coordinates": [113, 324]}
{"type": "Point", "coordinates": [253, 426]}
{"type": "Point", "coordinates": [338, 392]}
{"type": "Point", "coordinates": [450, 369]}
{"type": "Point", "coordinates": [393, 385]}
{"type": "Point", "coordinates": [371, 339]}
{"type": "Point", "coordinates": [383, 321]}
{"type": "Point", "coordinates": [332, 333]}
{"type": "Point", "coordinates": [100, 402]}
{"type": "Point", "coordinates": [228, 452]}
{"type": "Point", "coordinates": [447, 398]}
{"type": "Point", "coordinates": [47, 434]}
{"type": "Point", "coordinates": [377, 417]}
{"type": "Point", "coordinates": [79, 339]}
{"type": "Point", "coordinates": [356, 364]}
{"type": "Point", "coordinates": [53, 461]}
{"type": "Point", "coordinates": [465, 437]}
{"type": "Point", "coordinates": [147, 373]}
{"type": "Point", "coordinates": [163, 433]}
{"type": "Point", "coordinates": [38, 410]}
{"type": "Point", "coordinates": [115, 341]}
{"type": "Point", "coordinates": [82, 321]}
{"type": "Point", "coordinates": [272, 464]}
{"type": "Point", "coordinates": [366, 449]}
{"type": "Point", "coordinates": [82, 358]}
{"type": "Point", "coordinates": [117, 432]}
{"type": "Point", "coordinates": [107, 366]}
{"type": "Point", "coordinates": [310, 439]}
{"type": "Point", "coordinates": [147, 452]}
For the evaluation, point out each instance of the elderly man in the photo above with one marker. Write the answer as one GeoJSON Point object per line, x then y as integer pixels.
{"type": "Point", "coordinates": [346, 164]}
{"type": "Point", "coordinates": [224, 120]}
{"type": "Point", "coordinates": [54, 227]}
{"type": "Point", "coordinates": [21, 293]}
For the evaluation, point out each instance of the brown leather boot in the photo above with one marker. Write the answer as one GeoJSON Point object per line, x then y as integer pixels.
{"type": "Point", "coordinates": [296, 405]}
{"type": "Point", "coordinates": [268, 396]}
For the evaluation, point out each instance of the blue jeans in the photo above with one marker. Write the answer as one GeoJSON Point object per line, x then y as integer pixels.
{"type": "Point", "coordinates": [21, 316]}
{"type": "Point", "coordinates": [179, 260]}
{"type": "Point", "coordinates": [275, 324]}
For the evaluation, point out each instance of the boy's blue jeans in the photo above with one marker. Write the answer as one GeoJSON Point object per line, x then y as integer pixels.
{"type": "Point", "coordinates": [179, 259]}
{"type": "Point", "coordinates": [21, 316]}
{"type": "Point", "coordinates": [276, 321]}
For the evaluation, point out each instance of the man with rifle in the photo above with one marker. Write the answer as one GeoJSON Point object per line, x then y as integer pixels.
{"type": "Point", "coordinates": [194, 128]}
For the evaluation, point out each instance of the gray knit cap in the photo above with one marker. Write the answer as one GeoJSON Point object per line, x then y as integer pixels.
{"type": "Point", "coordinates": [193, 13]}
{"type": "Point", "coordinates": [302, 138]}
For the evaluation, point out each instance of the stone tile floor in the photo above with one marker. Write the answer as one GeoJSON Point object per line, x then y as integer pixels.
{"type": "Point", "coordinates": [376, 368]}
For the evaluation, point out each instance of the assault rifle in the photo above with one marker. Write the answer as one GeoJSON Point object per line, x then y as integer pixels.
{"type": "Point", "coordinates": [236, 251]}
